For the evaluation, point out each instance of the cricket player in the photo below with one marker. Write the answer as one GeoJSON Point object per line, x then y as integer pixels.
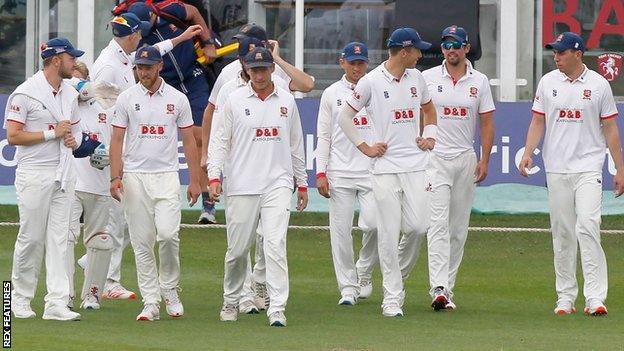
{"type": "Point", "coordinates": [393, 94]}
{"type": "Point", "coordinates": [148, 115]}
{"type": "Point", "coordinates": [343, 176]}
{"type": "Point", "coordinates": [41, 119]}
{"type": "Point", "coordinates": [575, 110]}
{"type": "Point", "coordinates": [262, 140]}
{"type": "Point", "coordinates": [463, 99]}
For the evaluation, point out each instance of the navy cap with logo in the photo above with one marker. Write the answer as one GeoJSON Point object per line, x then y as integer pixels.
{"type": "Point", "coordinates": [355, 51]}
{"type": "Point", "coordinates": [147, 55]}
{"type": "Point", "coordinates": [565, 41]}
{"type": "Point", "coordinates": [56, 46]}
{"type": "Point", "coordinates": [455, 32]}
{"type": "Point", "coordinates": [251, 30]}
{"type": "Point", "coordinates": [406, 37]}
{"type": "Point", "coordinates": [128, 23]}
{"type": "Point", "coordinates": [247, 44]}
{"type": "Point", "coordinates": [258, 57]}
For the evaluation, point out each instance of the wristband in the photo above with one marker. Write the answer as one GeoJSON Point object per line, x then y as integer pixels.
{"type": "Point", "coordinates": [215, 180]}
{"type": "Point", "coordinates": [115, 178]}
{"type": "Point", "coordinates": [430, 131]}
{"type": "Point", "coordinates": [49, 135]}
{"type": "Point", "coordinates": [321, 175]}
{"type": "Point", "coordinates": [302, 189]}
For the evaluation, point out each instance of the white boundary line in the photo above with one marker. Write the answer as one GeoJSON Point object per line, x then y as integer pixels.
{"type": "Point", "coordinates": [326, 228]}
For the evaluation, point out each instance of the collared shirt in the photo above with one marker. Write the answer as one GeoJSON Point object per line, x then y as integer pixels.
{"type": "Point", "coordinates": [96, 122]}
{"type": "Point", "coordinates": [574, 141]}
{"type": "Point", "coordinates": [36, 118]}
{"type": "Point", "coordinates": [336, 155]}
{"type": "Point", "coordinates": [114, 66]}
{"type": "Point", "coordinates": [394, 109]}
{"type": "Point", "coordinates": [458, 105]}
{"type": "Point", "coordinates": [263, 142]}
{"type": "Point", "coordinates": [151, 121]}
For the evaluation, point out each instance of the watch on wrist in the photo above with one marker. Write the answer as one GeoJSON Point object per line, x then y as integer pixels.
{"type": "Point", "coordinates": [209, 41]}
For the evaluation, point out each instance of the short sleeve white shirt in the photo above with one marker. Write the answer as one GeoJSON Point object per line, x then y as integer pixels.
{"type": "Point", "coordinates": [573, 140]}
{"type": "Point", "coordinates": [394, 109]}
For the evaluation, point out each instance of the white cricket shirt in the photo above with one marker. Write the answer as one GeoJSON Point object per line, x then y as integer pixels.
{"type": "Point", "coordinates": [574, 141]}
{"type": "Point", "coordinates": [263, 142]}
{"type": "Point", "coordinates": [336, 155]}
{"type": "Point", "coordinates": [394, 109]}
{"type": "Point", "coordinates": [458, 105]}
{"type": "Point", "coordinates": [151, 122]}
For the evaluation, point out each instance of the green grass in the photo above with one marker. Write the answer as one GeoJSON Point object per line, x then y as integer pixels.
{"type": "Point", "coordinates": [505, 296]}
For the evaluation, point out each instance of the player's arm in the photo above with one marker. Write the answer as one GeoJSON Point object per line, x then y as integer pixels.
{"type": "Point", "coordinates": [300, 81]}
{"type": "Point", "coordinates": [16, 113]}
{"type": "Point", "coordinates": [116, 166]}
{"type": "Point", "coordinates": [206, 128]}
{"type": "Point", "coordinates": [193, 16]}
{"type": "Point", "coordinates": [534, 136]}
{"type": "Point", "coordinates": [487, 140]}
{"type": "Point", "coordinates": [190, 154]}
{"type": "Point", "coordinates": [218, 150]}
{"type": "Point", "coordinates": [429, 132]}
{"type": "Point", "coordinates": [612, 137]}
{"type": "Point", "coordinates": [323, 142]}
{"type": "Point", "coordinates": [298, 160]}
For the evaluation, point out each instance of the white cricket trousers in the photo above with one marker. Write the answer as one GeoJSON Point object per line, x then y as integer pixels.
{"type": "Point", "coordinates": [151, 203]}
{"type": "Point", "coordinates": [242, 214]}
{"type": "Point", "coordinates": [117, 229]}
{"type": "Point", "coordinates": [575, 209]}
{"type": "Point", "coordinates": [343, 194]}
{"type": "Point", "coordinates": [96, 214]}
{"type": "Point", "coordinates": [403, 205]}
{"type": "Point", "coordinates": [44, 223]}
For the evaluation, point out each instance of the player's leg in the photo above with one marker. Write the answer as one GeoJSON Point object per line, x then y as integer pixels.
{"type": "Point", "coordinates": [562, 222]}
{"type": "Point", "coordinates": [34, 192]}
{"type": "Point", "coordinates": [388, 195]}
{"type": "Point", "coordinates": [341, 205]}
{"type": "Point", "coordinates": [99, 245]}
{"type": "Point", "coordinates": [275, 213]}
{"type": "Point", "coordinates": [258, 279]}
{"type": "Point", "coordinates": [242, 212]}
{"type": "Point", "coordinates": [139, 212]}
{"type": "Point", "coordinates": [246, 303]}
{"type": "Point", "coordinates": [588, 200]}
{"type": "Point", "coordinates": [117, 228]}
{"type": "Point", "coordinates": [462, 197]}
{"type": "Point", "coordinates": [367, 221]}
{"type": "Point", "coordinates": [72, 239]}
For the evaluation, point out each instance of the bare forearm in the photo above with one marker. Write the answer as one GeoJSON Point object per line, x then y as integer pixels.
{"type": "Point", "coordinates": [301, 81]}
{"type": "Point", "coordinates": [193, 15]}
{"type": "Point", "coordinates": [190, 153]}
{"type": "Point", "coordinates": [25, 138]}
{"type": "Point", "coordinates": [429, 114]}
{"type": "Point", "coordinates": [612, 137]}
{"type": "Point", "coordinates": [534, 135]}
{"type": "Point", "coordinates": [206, 128]}
{"type": "Point", "coordinates": [487, 138]}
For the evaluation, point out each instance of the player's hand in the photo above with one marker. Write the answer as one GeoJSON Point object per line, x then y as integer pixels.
{"type": "Point", "coordinates": [192, 193]}
{"type": "Point", "coordinates": [322, 185]}
{"type": "Point", "coordinates": [203, 163]}
{"type": "Point", "coordinates": [425, 144]}
{"type": "Point", "coordinates": [481, 171]}
{"type": "Point", "coordinates": [302, 200]}
{"type": "Point", "coordinates": [618, 183]}
{"type": "Point", "coordinates": [116, 189]}
{"type": "Point", "coordinates": [210, 51]}
{"type": "Point", "coordinates": [377, 150]}
{"type": "Point", "coordinates": [191, 32]}
{"type": "Point", "coordinates": [525, 165]}
{"type": "Point", "coordinates": [62, 128]}
{"type": "Point", "coordinates": [215, 191]}
{"type": "Point", "coordinates": [274, 47]}
{"type": "Point", "coordinates": [69, 141]}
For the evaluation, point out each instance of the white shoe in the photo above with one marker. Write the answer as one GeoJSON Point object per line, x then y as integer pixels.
{"type": "Point", "coordinates": [248, 307]}
{"type": "Point", "coordinates": [366, 288]}
{"type": "Point", "coordinates": [564, 307]}
{"type": "Point", "coordinates": [347, 300]}
{"type": "Point", "coordinates": [277, 319]}
{"type": "Point", "coordinates": [117, 291]}
{"type": "Point", "coordinates": [392, 311]}
{"type": "Point", "coordinates": [440, 299]}
{"type": "Point", "coordinates": [172, 302]}
{"type": "Point", "coordinates": [60, 313]}
{"type": "Point", "coordinates": [228, 313]}
{"type": "Point", "coordinates": [261, 296]}
{"type": "Point", "coordinates": [90, 302]}
{"type": "Point", "coordinates": [207, 217]}
{"type": "Point", "coordinates": [23, 311]}
{"type": "Point", "coordinates": [450, 305]}
{"type": "Point", "coordinates": [151, 312]}
{"type": "Point", "coordinates": [82, 262]}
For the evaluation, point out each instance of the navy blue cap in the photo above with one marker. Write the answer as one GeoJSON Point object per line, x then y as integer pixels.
{"type": "Point", "coordinates": [128, 23]}
{"type": "Point", "coordinates": [405, 37]}
{"type": "Point", "coordinates": [141, 10]}
{"type": "Point", "coordinates": [458, 33]}
{"type": "Point", "coordinates": [147, 55]}
{"type": "Point", "coordinates": [251, 30]}
{"type": "Point", "coordinates": [258, 57]}
{"type": "Point", "coordinates": [57, 46]}
{"type": "Point", "coordinates": [247, 44]}
{"type": "Point", "coordinates": [355, 51]}
{"type": "Point", "coordinates": [565, 41]}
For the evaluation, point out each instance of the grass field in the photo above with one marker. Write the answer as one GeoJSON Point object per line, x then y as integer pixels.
{"type": "Point", "coordinates": [505, 296]}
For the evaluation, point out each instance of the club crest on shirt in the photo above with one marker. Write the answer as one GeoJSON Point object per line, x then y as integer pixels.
{"type": "Point", "coordinates": [473, 92]}
{"type": "Point", "coordinates": [610, 65]}
{"type": "Point", "coordinates": [170, 109]}
{"type": "Point", "coordinates": [356, 95]}
{"type": "Point", "coordinates": [101, 117]}
{"type": "Point", "coordinates": [586, 94]}
{"type": "Point", "coordinates": [137, 107]}
{"type": "Point", "coordinates": [283, 111]}
{"type": "Point", "coordinates": [414, 91]}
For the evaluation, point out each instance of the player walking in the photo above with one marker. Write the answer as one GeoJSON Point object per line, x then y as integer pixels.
{"type": "Point", "coordinates": [150, 112]}
{"type": "Point", "coordinates": [342, 175]}
{"type": "Point", "coordinates": [575, 108]}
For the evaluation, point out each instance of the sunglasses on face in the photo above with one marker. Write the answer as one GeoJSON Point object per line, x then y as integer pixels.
{"type": "Point", "coordinates": [448, 45]}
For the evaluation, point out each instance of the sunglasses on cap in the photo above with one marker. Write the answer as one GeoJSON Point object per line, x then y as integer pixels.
{"type": "Point", "coordinates": [448, 45]}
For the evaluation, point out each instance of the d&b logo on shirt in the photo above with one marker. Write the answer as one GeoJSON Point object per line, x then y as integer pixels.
{"type": "Point", "coordinates": [267, 134]}
{"type": "Point", "coordinates": [403, 116]}
{"type": "Point", "coordinates": [454, 112]}
{"type": "Point", "coordinates": [570, 115]}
